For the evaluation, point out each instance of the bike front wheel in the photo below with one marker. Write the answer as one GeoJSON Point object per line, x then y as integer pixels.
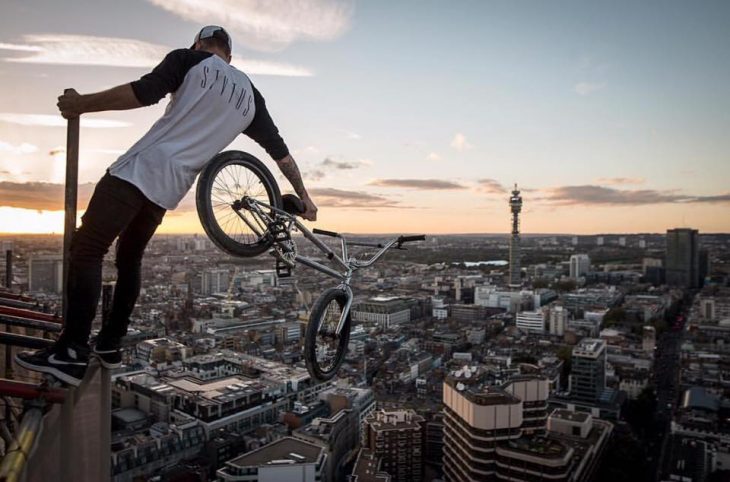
{"type": "Point", "coordinates": [324, 349]}
{"type": "Point", "coordinates": [223, 184]}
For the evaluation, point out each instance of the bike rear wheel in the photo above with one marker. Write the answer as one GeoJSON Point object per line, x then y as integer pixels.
{"type": "Point", "coordinates": [324, 350]}
{"type": "Point", "coordinates": [223, 183]}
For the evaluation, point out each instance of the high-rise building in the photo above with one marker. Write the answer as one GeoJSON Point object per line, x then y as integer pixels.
{"type": "Point", "coordinates": [45, 273]}
{"type": "Point", "coordinates": [215, 281]}
{"type": "Point", "coordinates": [515, 203]}
{"type": "Point", "coordinates": [504, 432]}
{"type": "Point", "coordinates": [396, 437]}
{"type": "Point", "coordinates": [558, 320]}
{"type": "Point", "coordinates": [682, 265]}
{"type": "Point", "coordinates": [580, 264]}
{"type": "Point", "coordinates": [588, 370]}
{"type": "Point", "coordinates": [599, 241]}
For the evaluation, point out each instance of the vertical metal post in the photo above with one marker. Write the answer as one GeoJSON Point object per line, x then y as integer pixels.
{"type": "Point", "coordinates": [105, 432]}
{"type": "Point", "coordinates": [8, 349]}
{"type": "Point", "coordinates": [9, 269]}
{"type": "Point", "coordinates": [72, 179]}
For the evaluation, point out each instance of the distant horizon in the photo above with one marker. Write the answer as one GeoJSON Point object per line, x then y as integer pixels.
{"type": "Point", "coordinates": [701, 233]}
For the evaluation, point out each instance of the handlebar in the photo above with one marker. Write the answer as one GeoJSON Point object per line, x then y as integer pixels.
{"type": "Point", "coordinates": [325, 233]}
{"type": "Point", "coordinates": [408, 239]}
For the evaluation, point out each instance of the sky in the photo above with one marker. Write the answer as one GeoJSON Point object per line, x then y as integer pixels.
{"type": "Point", "coordinates": [405, 116]}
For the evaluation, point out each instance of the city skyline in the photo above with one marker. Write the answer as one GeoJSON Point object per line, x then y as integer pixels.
{"type": "Point", "coordinates": [406, 117]}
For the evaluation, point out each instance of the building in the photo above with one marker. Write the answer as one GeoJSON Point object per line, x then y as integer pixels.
{"type": "Point", "coordinates": [139, 454]}
{"type": "Point", "coordinates": [648, 340]}
{"type": "Point", "coordinates": [45, 273]}
{"type": "Point", "coordinates": [385, 311]}
{"type": "Point", "coordinates": [396, 437]}
{"type": "Point", "coordinates": [531, 321]}
{"type": "Point", "coordinates": [504, 433]}
{"type": "Point", "coordinates": [338, 435]}
{"type": "Point", "coordinates": [580, 265]}
{"type": "Point", "coordinates": [285, 459]}
{"type": "Point", "coordinates": [558, 320]}
{"type": "Point", "coordinates": [215, 281]}
{"type": "Point", "coordinates": [682, 266]}
{"type": "Point", "coordinates": [515, 274]}
{"type": "Point", "coordinates": [368, 469]}
{"type": "Point", "coordinates": [588, 370]}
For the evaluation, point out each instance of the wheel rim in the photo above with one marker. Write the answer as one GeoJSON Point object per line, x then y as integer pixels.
{"type": "Point", "coordinates": [327, 343]}
{"type": "Point", "coordinates": [230, 184]}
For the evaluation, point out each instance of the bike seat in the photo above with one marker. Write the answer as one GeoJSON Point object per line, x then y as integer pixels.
{"type": "Point", "coordinates": [292, 204]}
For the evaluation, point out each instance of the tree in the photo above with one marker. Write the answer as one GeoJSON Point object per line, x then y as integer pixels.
{"type": "Point", "coordinates": [565, 285]}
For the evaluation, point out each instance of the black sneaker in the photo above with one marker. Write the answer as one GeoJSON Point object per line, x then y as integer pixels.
{"type": "Point", "coordinates": [66, 364]}
{"type": "Point", "coordinates": [108, 354]}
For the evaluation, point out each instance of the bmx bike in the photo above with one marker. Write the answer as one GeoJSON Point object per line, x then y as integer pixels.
{"type": "Point", "coordinates": [243, 213]}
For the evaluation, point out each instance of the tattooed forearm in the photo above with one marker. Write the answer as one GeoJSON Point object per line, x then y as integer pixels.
{"type": "Point", "coordinates": [290, 170]}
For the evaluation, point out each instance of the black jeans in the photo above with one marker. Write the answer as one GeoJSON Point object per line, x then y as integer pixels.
{"type": "Point", "coordinates": [116, 209]}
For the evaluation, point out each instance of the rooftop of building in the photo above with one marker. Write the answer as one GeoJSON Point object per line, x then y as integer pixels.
{"type": "Point", "coordinates": [579, 417]}
{"type": "Point", "coordinates": [286, 450]}
{"type": "Point", "coordinates": [366, 468]}
{"type": "Point", "coordinates": [482, 393]}
{"type": "Point", "coordinates": [589, 347]}
{"type": "Point", "coordinates": [538, 446]}
{"type": "Point", "coordinates": [394, 420]}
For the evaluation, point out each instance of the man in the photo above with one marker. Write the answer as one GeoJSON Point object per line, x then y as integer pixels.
{"type": "Point", "coordinates": [211, 104]}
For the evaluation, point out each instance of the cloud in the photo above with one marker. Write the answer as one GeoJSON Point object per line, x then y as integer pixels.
{"type": "Point", "coordinates": [491, 186]}
{"type": "Point", "coordinates": [264, 67]}
{"type": "Point", "coordinates": [40, 195]}
{"type": "Point", "coordinates": [20, 48]}
{"type": "Point", "coordinates": [600, 195]}
{"type": "Point", "coordinates": [342, 165]}
{"type": "Point", "coordinates": [719, 198]}
{"type": "Point", "coordinates": [44, 120]}
{"type": "Point", "coordinates": [421, 184]}
{"type": "Point", "coordinates": [432, 156]}
{"type": "Point", "coordinates": [339, 198]}
{"type": "Point", "coordinates": [460, 143]}
{"type": "Point", "coordinates": [586, 88]}
{"type": "Point", "coordinates": [620, 180]}
{"type": "Point", "coordinates": [62, 49]}
{"type": "Point", "coordinates": [267, 25]}
{"type": "Point", "coordinates": [24, 148]}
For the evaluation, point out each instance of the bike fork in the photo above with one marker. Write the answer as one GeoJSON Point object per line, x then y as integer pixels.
{"type": "Point", "coordinates": [346, 309]}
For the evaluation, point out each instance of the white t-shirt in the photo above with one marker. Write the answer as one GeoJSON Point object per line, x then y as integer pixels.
{"type": "Point", "coordinates": [212, 103]}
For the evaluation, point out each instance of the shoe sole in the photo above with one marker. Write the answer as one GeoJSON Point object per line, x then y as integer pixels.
{"type": "Point", "coordinates": [64, 377]}
{"type": "Point", "coordinates": [108, 366]}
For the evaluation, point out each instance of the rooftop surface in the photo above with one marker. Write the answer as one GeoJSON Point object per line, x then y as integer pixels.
{"type": "Point", "coordinates": [286, 450]}
{"type": "Point", "coordinates": [568, 415]}
{"type": "Point", "coordinates": [366, 468]}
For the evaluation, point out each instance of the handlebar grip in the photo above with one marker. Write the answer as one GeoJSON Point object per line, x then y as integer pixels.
{"type": "Point", "coordinates": [325, 233]}
{"type": "Point", "coordinates": [407, 239]}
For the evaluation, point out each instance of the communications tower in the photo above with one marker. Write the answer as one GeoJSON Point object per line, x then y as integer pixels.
{"type": "Point", "coordinates": [515, 204]}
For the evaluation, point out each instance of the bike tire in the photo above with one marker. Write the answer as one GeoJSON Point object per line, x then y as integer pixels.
{"type": "Point", "coordinates": [311, 343]}
{"type": "Point", "coordinates": [223, 227]}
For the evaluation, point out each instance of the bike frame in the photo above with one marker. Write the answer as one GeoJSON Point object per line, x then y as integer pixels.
{"type": "Point", "coordinates": [347, 263]}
